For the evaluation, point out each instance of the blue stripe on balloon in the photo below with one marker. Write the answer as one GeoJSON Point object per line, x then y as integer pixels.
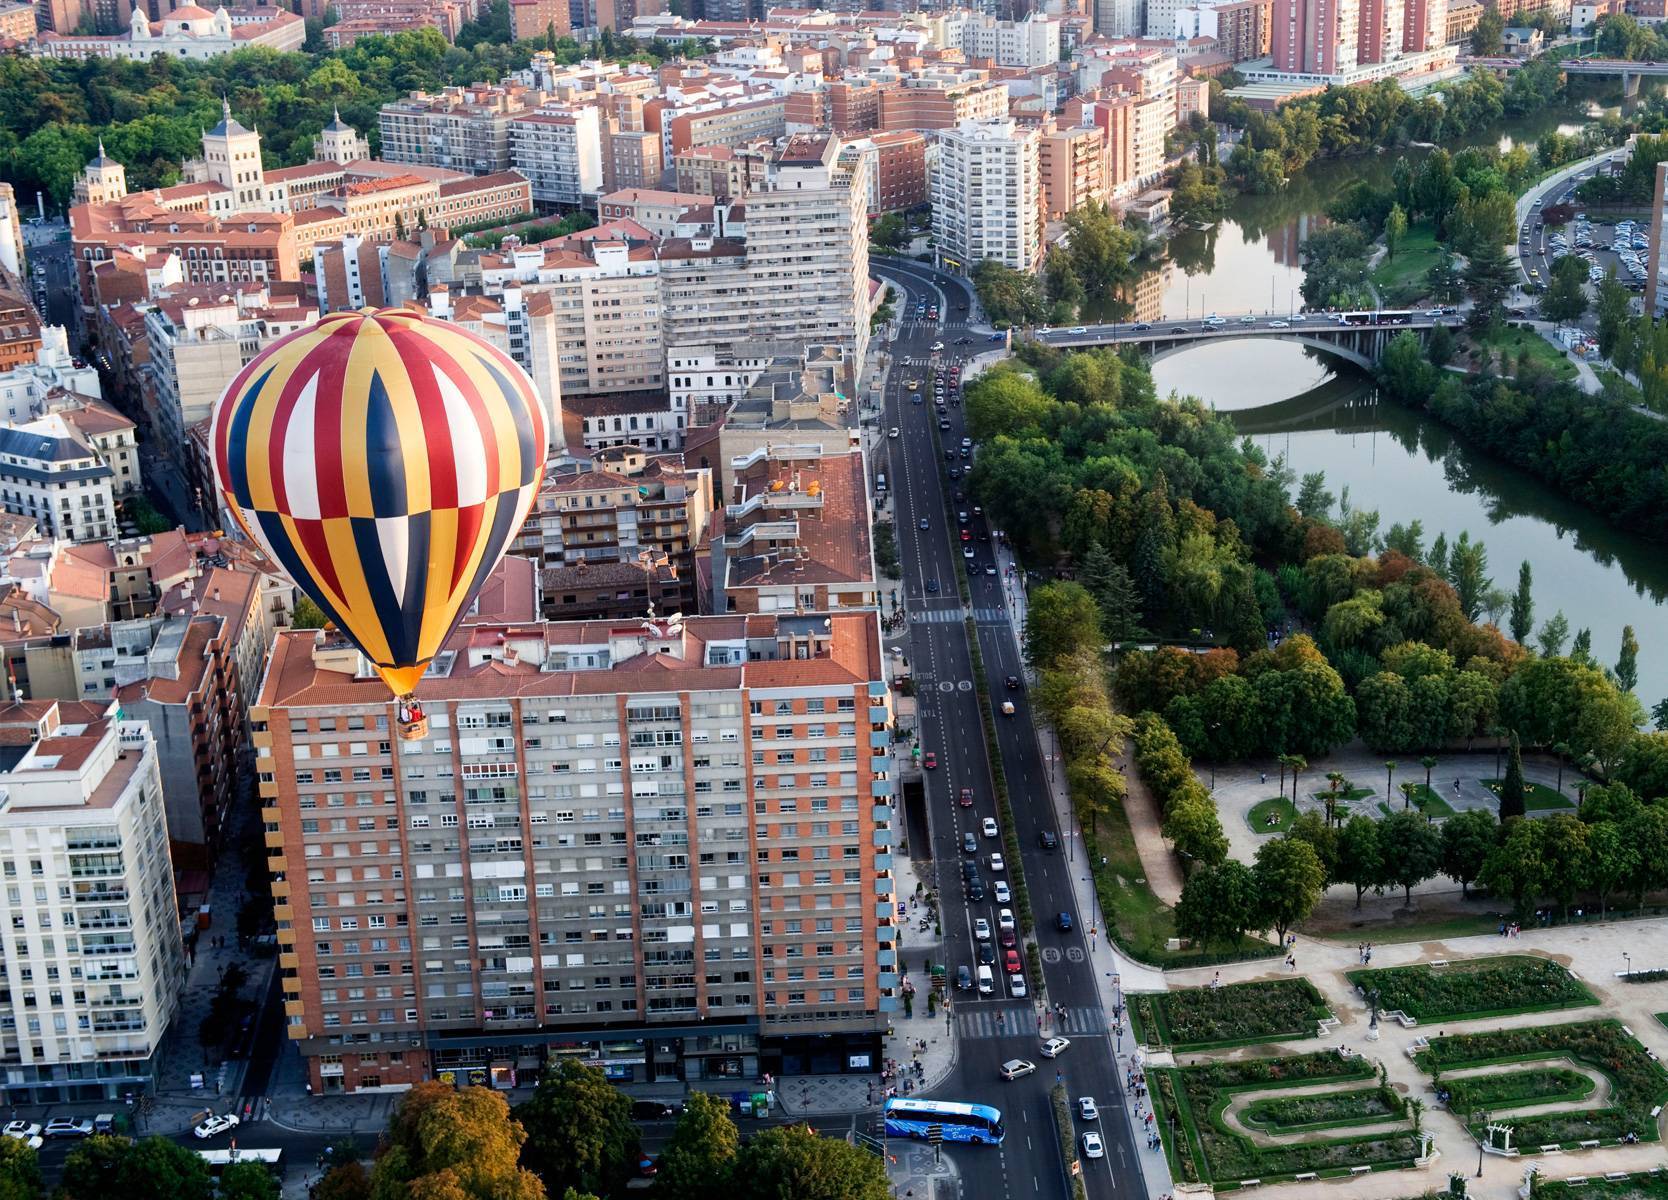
{"type": "Point", "coordinates": [385, 453]}
{"type": "Point", "coordinates": [516, 401]}
{"type": "Point", "coordinates": [237, 443]}
{"type": "Point", "coordinates": [400, 622]}
{"type": "Point", "coordinates": [272, 525]}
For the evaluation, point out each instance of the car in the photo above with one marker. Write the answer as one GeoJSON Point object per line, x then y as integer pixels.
{"type": "Point", "coordinates": [997, 866]}
{"type": "Point", "coordinates": [964, 978]}
{"type": "Point", "coordinates": [1087, 1109]}
{"type": "Point", "coordinates": [1016, 986]}
{"type": "Point", "coordinates": [929, 760]}
{"type": "Point", "coordinates": [1297, 318]}
{"type": "Point", "coordinates": [1279, 325]}
{"type": "Point", "coordinates": [1010, 961]}
{"type": "Point", "coordinates": [969, 868]}
{"type": "Point", "coordinates": [996, 337]}
{"type": "Point", "coordinates": [1092, 1147]}
{"type": "Point", "coordinates": [1016, 1068]}
{"type": "Point", "coordinates": [67, 1127]}
{"type": "Point", "coordinates": [1048, 840]}
{"type": "Point", "coordinates": [22, 1130]}
{"type": "Point", "coordinates": [966, 442]}
{"type": "Point", "coordinates": [975, 888]}
{"type": "Point", "coordinates": [213, 1126]}
{"type": "Point", "coordinates": [915, 397]}
{"type": "Point", "coordinates": [1063, 922]}
{"type": "Point", "coordinates": [1005, 918]}
{"type": "Point", "coordinates": [967, 535]}
{"type": "Point", "coordinates": [1141, 326]}
{"type": "Point", "coordinates": [1433, 312]}
{"type": "Point", "coordinates": [652, 1110]}
{"type": "Point", "coordinates": [943, 423]}
{"type": "Point", "coordinates": [925, 524]}
{"type": "Point", "coordinates": [1011, 683]}
{"type": "Point", "coordinates": [1007, 937]}
{"type": "Point", "coordinates": [965, 797]}
{"type": "Point", "coordinates": [893, 432]}
{"type": "Point", "coordinates": [987, 981]}
{"type": "Point", "coordinates": [986, 954]}
{"type": "Point", "coordinates": [1000, 893]}
{"type": "Point", "coordinates": [937, 346]}
{"type": "Point", "coordinates": [1054, 1047]}
{"type": "Point", "coordinates": [988, 827]}
{"type": "Point", "coordinates": [913, 385]}
{"type": "Point", "coordinates": [967, 552]}
{"type": "Point", "coordinates": [932, 587]}
{"type": "Point", "coordinates": [990, 568]}
{"type": "Point", "coordinates": [1080, 329]}
{"type": "Point", "coordinates": [981, 929]}
{"type": "Point", "coordinates": [647, 1168]}
{"type": "Point", "coordinates": [969, 844]}
{"type": "Point", "coordinates": [1248, 319]}
{"type": "Point", "coordinates": [961, 517]}
{"type": "Point", "coordinates": [1178, 329]}
{"type": "Point", "coordinates": [966, 453]}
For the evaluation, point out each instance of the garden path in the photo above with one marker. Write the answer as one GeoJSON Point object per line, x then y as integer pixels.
{"type": "Point", "coordinates": [1598, 1098]}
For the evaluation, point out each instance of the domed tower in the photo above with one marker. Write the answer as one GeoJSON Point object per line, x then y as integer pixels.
{"type": "Point", "coordinates": [232, 156]}
{"type": "Point", "coordinates": [339, 142]}
{"type": "Point", "coordinates": [101, 181]}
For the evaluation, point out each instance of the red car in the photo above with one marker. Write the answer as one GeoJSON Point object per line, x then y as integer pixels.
{"type": "Point", "coordinates": [1005, 935]}
{"type": "Point", "coordinates": [1010, 962]}
{"type": "Point", "coordinates": [967, 797]}
{"type": "Point", "coordinates": [929, 760]}
{"type": "Point", "coordinates": [966, 535]}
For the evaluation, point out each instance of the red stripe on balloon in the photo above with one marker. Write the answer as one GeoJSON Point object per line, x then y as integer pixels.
{"type": "Point", "coordinates": [463, 547]}
{"type": "Point", "coordinates": [417, 354]}
{"type": "Point", "coordinates": [332, 358]}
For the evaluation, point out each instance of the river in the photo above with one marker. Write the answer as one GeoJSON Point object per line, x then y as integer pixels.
{"type": "Point", "coordinates": [1325, 415]}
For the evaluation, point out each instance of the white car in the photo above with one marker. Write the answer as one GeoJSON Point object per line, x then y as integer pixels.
{"type": "Point", "coordinates": [989, 827]}
{"type": "Point", "coordinates": [1016, 985]}
{"type": "Point", "coordinates": [997, 866]}
{"type": "Point", "coordinates": [987, 981]}
{"type": "Point", "coordinates": [59, 1127]}
{"type": "Point", "coordinates": [1016, 1067]}
{"type": "Point", "coordinates": [1092, 1147]}
{"type": "Point", "coordinates": [1298, 317]}
{"type": "Point", "coordinates": [1279, 325]}
{"type": "Point", "coordinates": [937, 346]}
{"type": "Point", "coordinates": [1054, 1047]}
{"type": "Point", "coordinates": [1087, 1109]}
{"type": "Point", "coordinates": [981, 929]}
{"type": "Point", "coordinates": [893, 432]}
{"type": "Point", "coordinates": [1004, 918]}
{"type": "Point", "coordinates": [1000, 893]}
{"type": "Point", "coordinates": [22, 1130]}
{"type": "Point", "coordinates": [1080, 329]}
{"type": "Point", "coordinates": [215, 1126]}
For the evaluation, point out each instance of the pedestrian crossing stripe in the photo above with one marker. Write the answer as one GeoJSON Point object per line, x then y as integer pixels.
{"type": "Point", "coordinates": [936, 616]}
{"type": "Point", "coordinates": [990, 616]}
{"type": "Point", "coordinates": [1020, 1020]}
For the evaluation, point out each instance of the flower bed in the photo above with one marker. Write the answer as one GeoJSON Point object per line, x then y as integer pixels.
{"type": "Point", "coordinates": [1638, 1082]}
{"type": "Point", "coordinates": [1484, 987]}
{"type": "Point", "coordinates": [1536, 1085]}
{"type": "Point", "coordinates": [1196, 1018]}
{"type": "Point", "coordinates": [1651, 1185]}
{"type": "Point", "coordinates": [1205, 1150]}
{"type": "Point", "coordinates": [1294, 1114]}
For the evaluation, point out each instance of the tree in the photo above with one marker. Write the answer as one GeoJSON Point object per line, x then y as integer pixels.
{"type": "Point", "coordinates": [697, 1161]}
{"type": "Point", "coordinates": [154, 1169]}
{"type": "Point", "coordinates": [1553, 635]}
{"type": "Point", "coordinates": [1289, 879]}
{"type": "Point", "coordinates": [1467, 838]}
{"type": "Point", "coordinates": [307, 615]}
{"type": "Point", "coordinates": [20, 1170]}
{"type": "Point", "coordinates": [888, 232]}
{"type": "Point", "coordinates": [1565, 853]}
{"type": "Point", "coordinates": [1566, 292]}
{"type": "Point", "coordinates": [454, 1144]}
{"type": "Point", "coordinates": [1468, 572]}
{"type": "Point", "coordinates": [1512, 788]}
{"type": "Point", "coordinates": [579, 1130]}
{"type": "Point", "coordinates": [1395, 229]}
{"type": "Point", "coordinates": [1514, 867]}
{"type": "Point", "coordinates": [1313, 500]}
{"type": "Point", "coordinates": [1360, 860]}
{"type": "Point", "coordinates": [1523, 605]}
{"type": "Point", "coordinates": [1218, 904]}
{"type": "Point", "coordinates": [1439, 347]}
{"type": "Point", "coordinates": [1486, 38]}
{"type": "Point", "coordinates": [1489, 276]}
{"type": "Point", "coordinates": [346, 1181]}
{"type": "Point", "coordinates": [1611, 861]}
{"type": "Point", "coordinates": [1614, 310]}
{"type": "Point", "coordinates": [1062, 619]}
{"type": "Point", "coordinates": [1113, 590]}
{"type": "Point", "coordinates": [1627, 662]}
{"type": "Point", "coordinates": [1196, 831]}
{"type": "Point", "coordinates": [1412, 850]}
{"type": "Point", "coordinates": [793, 1163]}
{"type": "Point", "coordinates": [247, 1181]}
{"type": "Point", "coordinates": [1581, 646]}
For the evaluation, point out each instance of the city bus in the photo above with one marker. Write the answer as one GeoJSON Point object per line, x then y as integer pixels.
{"type": "Point", "coordinates": [218, 1160]}
{"type": "Point", "coordinates": [960, 1122]}
{"type": "Point", "coordinates": [1380, 316]}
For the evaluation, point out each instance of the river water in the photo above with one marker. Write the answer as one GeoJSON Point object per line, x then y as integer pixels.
{"type": "Point", "coordinates": [1325, 415]}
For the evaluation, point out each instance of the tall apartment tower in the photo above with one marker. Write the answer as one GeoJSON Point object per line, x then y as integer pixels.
{"type": "Point", "coordinates": [662, 845]}
{"type": "Point", "coordinates": [1316, 37]}
{"type": "Point", "coordinates": [987, 195]}
{"type": "Point", "coordinates": [1425, 26]}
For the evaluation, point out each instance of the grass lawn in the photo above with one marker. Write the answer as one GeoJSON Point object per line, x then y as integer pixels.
{"type": "Point", "coordinates": [1351, 793]}
{"type": "Point", "coordinates": [1401, 280]}
{"type": "Point", "coordinates": [1277, 807]}
{"type": "Point", "coordinates": [1513, 342]}
{"type": "Point", "coordinates": [1482, 987]}
{"type": "Point", "coordinates": [1416, 930]}
{"type": "Point", "coordinates": [1538, 797]}
{"type": "Point", "coordinates": [1425, 800]}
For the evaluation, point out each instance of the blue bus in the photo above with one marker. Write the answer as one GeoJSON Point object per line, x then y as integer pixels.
{"type": "Point", "coordinates": [960, 1122]}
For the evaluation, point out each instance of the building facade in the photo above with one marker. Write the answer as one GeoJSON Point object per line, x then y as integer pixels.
{"type": "Point", "coordinates": [986, 196]}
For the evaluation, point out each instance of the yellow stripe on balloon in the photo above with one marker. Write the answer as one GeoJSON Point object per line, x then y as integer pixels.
{"type": "Point", "coordinates": [316, 576]}
{"type": "Point", "coordinates": [358, 608]}
{"type": "Point", "coordinates": [437, 588]}
{"type": "Point", "coordinates": [356, 407]}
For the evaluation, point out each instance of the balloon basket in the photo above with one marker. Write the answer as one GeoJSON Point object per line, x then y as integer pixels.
{"type": "Point", "coordinates": [412, 731]}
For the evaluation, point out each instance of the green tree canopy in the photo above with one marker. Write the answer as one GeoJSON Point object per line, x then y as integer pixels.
{"type": "Point", "coordinates": [793, 1163]}
{"type": "Point", "coordinates": [698, 1161]}
{"type": "Point", "coordinates": [579, 1130]}
{"type": "Point", "coordinates": [1289, 879]}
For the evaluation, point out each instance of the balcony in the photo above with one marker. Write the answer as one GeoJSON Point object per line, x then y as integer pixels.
{"type": "Point", "coordinates": [102, 948]}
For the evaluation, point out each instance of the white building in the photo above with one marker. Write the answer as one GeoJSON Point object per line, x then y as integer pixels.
{"type": "Point", "coordinates": [1033, 42]}
{"type": "Point", "coordinates": [52, 474]}
{"type": "Point", "coordinates": [92, 960]}
{"type": "Point", "coordinates": [24, 389]}
{"type": "Point", "coordinates": [186, 32]}
{"type": "Point", "coordinates": [986, 196]}
{"type": "Point", "coordinates": [560, 153]}
{"type": "Point", "coordinates": [339, 142]}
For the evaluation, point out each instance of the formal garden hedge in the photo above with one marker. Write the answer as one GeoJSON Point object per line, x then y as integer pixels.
{"type": "Point", "coordinates": [1647, 1185]}
{"type": "Point", "coordinates": [1236, 1015]}
{"type": "Point", "coordinates": [1638, 1082]}
{"type": "Point", "coordinates": [1534, 1085]}
{"type": "Point", "coordinates": [1205, 1150]}
{"type": "Point", "coordinates": [1296, 1114]}
{"type": "Point", "coordinates": [1484, 987]}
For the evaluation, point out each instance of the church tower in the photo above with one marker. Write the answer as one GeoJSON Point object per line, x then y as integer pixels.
{"type": "Point", "coordinates": [232, 156]}
{"type": "Point", "coordinates": [101, 181]}
{"type": "Point", "coordinates": [339, 142]}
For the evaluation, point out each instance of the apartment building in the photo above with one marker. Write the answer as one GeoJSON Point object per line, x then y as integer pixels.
{"type": "Point", "coordinates": [17, 20]}
{"type": "Point", "coordinates": [731, 125]}
{"type": "Point", "coordinates": [935, 102]}
{"type": "Point", "coordinates": [538, 874]}
{"type": "Point", "coordinates": [20, 325]}
{"type": "Point", "coordinates": [897, 169]}
{"type": "Point", "coordinates": [1031, 42]}
{"type": "Point", "coordinates": [1072, 168]}
{"type": "Point", "coordinates": [92, 960]}
{"type": "Point", "coordinates": [1316, 37]}
{"type": "Point", "coordinates": [1425, 24]}
{"type": "Point", "coordinates": [351, 274]}
{"type": "Point", "coordinates": [986, 196]}
{"type": "Point", "coordinates": [52, 475]}
{"type": "Point", "coordinates": [531, 19]}
{"type": "Point", "coordinates": [631, 152]}
{"type": "Point", "coordinates": [560, 153]}
{"type": "Point", "coordinates": [722, 172]}
{"type": "Point", "coordinates": [460, 128]}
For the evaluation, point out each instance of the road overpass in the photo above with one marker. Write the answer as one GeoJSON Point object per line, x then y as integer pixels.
{"type": "Point", "coordinates": [1362, 344]}
{"type": "Point", "coordinates": [1630, 71]}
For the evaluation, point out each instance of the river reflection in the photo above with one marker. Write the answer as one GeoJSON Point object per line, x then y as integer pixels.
{"type": "Point", "coordinates": [1324, 415]}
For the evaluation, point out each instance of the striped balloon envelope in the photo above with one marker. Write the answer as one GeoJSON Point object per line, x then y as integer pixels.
{"type": "Point", "coordinates": [384, 460]}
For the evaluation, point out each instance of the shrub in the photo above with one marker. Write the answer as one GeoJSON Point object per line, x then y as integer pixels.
{"type": "Point", "coordinates": [1193, 1018]}
{"type": "Point", "coordinates": [1482, 987]}
{"type": "Point", "coordinates": [1284, 1114]}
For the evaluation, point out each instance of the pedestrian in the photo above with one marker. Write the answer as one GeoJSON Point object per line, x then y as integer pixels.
{"type": "Point", "coordinates": [1265, 776]}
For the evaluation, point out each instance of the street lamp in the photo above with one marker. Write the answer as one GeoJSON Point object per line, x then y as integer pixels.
{"type": "Point", "coordinates": [1480, 1119]}
{"type": "Point", "coordinates": [1628, 958]}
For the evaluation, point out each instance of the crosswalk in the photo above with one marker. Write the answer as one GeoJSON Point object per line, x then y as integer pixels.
{"type": "Point", "coordinates": [936, 616]}
{"type": "Point", "coordinates": [1021, 1020]}
{"type": "Point", "coordinates": [990, 616]}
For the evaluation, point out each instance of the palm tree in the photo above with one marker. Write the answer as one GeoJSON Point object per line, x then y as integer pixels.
{"type": "Point", "coordinates": [1407, 796]}
{"type": "Point", "coordinates": [1562, 749]}
{"type": "Point", "coordinates": [1298, 765]}
{"type": "Point", "coordinates": [1428, 762]}
{"type": "Point", "coordinates": [1281, 759]}
{"type": "Point", "coordinates": [1389, 778]}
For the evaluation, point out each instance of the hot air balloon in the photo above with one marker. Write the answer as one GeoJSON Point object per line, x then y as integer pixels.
{"type": "Point", "coordinates": [384, 460]}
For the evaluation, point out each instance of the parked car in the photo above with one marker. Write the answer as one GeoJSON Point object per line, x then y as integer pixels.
{"type": "Point", "coordinates": [64, 1127]}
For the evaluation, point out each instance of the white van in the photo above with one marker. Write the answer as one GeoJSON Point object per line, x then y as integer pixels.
{"type": "Point", "coordinates": [987, 982]}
